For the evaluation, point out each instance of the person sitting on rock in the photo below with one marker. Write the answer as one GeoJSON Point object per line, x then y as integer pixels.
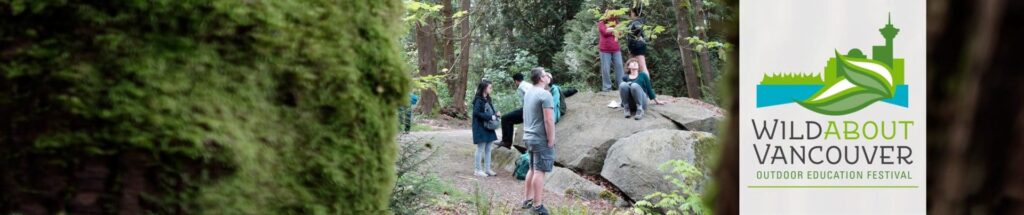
{"type": "Point", "coordinates": [559, 94]}
{"type": "Point", "coordinates": [515, 117]}
{"type": "Point", "coordinates": [635, 90]}
{"type": "Point", "coordinates": [509, 120]}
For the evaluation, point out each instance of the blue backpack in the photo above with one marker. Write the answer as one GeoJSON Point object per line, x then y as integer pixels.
{"type": "Point", "coordinates": [522, 166]}
{"type": "Point", "coordinates": [559, 102]}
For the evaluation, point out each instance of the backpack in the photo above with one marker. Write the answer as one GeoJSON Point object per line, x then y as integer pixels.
{"type": "Point", "coordinates": [559, 102]}
{"type": "Point", "coordinates": [522, 166]}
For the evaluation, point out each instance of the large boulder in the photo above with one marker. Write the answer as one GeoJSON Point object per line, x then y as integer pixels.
{"type": "Point", "coordinates": [589, 127]}
{"type": "Point", "coordinates": [632, 162]}
{"type": "Point", "coordinates": [504, 158]}
{"type": "Point", "coordinates": [692, 114]}
{"type": "Point", "coordinates": [562, 182]}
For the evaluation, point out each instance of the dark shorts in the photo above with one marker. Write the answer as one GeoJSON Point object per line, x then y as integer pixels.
{"type": "Point", "coordinates": [542, 157]}
{"type": "Point", "coordinates": [637, 48]}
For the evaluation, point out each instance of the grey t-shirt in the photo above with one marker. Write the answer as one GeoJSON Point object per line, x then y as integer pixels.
{"type": "Point", "coordinates": [535, 101]}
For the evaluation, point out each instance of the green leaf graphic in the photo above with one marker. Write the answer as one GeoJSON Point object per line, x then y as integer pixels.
{"type": "Point", "coordinates": [840, 99]}
{"type": "Point", "coordinates": [870, 74]}
{"type": "Point", "coordinates": [864, 82]}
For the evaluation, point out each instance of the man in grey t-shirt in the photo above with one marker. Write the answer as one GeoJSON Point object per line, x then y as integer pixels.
{"type": "Point", "coordinates": [539, 136]}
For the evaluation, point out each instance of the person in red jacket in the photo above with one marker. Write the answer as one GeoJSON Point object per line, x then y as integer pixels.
{"type": "Point", "coordinates": [608, 44]}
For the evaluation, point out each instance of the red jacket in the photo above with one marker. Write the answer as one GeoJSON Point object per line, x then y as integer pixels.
{"type": "Point", "coordinates": [606, 39]}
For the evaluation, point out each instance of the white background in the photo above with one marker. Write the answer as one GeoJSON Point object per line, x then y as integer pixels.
{"type": "Point", "coordinates": [799, 36]}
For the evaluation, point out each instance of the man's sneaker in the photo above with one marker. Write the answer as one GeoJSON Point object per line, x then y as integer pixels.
{"type": "Point", "coordinates": [626, 113]}
{"type": "Point", "coordinates": [639, 114]}
{"type": "Point", "coordinates": [480, 173]}
{"type": "Point", "coordinates": [527, 204]}
{"type": "Point", "coordinates": [540, 210]}
{"type": "Point", "coordinates": [491, 173]}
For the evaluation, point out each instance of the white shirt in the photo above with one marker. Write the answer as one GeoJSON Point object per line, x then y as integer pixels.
{"type": "Point", "coordinates": [523, 88]}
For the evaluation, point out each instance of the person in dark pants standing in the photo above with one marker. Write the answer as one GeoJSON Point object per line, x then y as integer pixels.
{"type": "Point", "coordinates": [405, 113]}
{"type": "Point", "coordinates": [509, 120]}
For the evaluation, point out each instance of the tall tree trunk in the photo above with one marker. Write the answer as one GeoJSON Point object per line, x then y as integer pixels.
{"type": "Point", "coordinates": [727, 174]}
{"type": "Point", "coordinates": [457, 80]}
{"type": "Point", "coordinates": [447, 36]}
{"type": "Point", "coordinates": [682, 32]}
{"type": "Point", "coordinates": [425, 40]}
{"type": "Point", "coordinates": [705, 62]}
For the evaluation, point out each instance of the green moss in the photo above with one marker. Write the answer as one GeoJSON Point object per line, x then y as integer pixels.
{"type": "Point", "coordinates": [608, 196]}
{"type": "Point", "coordinates": [244, 107]}
{"type": "Point", "coordinates": [706, 151]}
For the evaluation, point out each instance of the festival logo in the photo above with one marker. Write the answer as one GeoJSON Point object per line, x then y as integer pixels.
{"type": "Point", "coordinates": [832, 107]}
{"type": "Point", "coordinates": [849, 82]}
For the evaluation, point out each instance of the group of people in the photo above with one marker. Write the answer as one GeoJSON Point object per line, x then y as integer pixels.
{"type": "Point", "coordinates": [543, 103]}
{"type": "Point", "coordinates": [611, 52]}
{"type": "Point", "coordinates": [635, 88]}
{"type": "Point", "coordinates": [538, 115]}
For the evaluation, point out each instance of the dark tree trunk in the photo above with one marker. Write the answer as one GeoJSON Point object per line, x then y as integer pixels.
{"type": "Point", "coordinates": [727, 174]}
{"type": "Point", "coordinates": [682, 32]}
{"type": "Point", "coordinates": [425, 40]}
{"type": "Point", "coordinates": [975, 116]}
{"type": "Point", "coordinates": [701, 29]}
{"type": "Point", "coordinates": [457, 78]}
{"type": "Point", "coordinates": [447, 36]}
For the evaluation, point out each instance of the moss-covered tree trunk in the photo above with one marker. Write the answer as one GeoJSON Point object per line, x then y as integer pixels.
{"type": "Point", "coordinates": [706, 68]}
{"type": "Point", "coordinates": [682, 32]}
{"type": "Point", "coordinates": [199, 107]}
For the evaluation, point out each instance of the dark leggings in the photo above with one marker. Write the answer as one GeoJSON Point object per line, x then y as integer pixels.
{"type": "Point", "coordinates": [508, 121]}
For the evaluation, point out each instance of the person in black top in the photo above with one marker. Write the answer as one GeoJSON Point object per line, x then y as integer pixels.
{"type": "Point", "coordinates": [636, 40]}
{"type": "Point", "coordinates": [483, 137]}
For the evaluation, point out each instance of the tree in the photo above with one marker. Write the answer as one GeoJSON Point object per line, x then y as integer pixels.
{"type": "Point", "coordinates": [425, 45]}
{"type": "Point", "coordinates": [538, 26]}
{"type": "Point", "coordinates": [683, 32]}
{"type": "Point", "coordinates": [458, 73]}
{"type": "Point", "coordinates": [457, 84]}
{"type": "Point", "coordinates": [705, 62]}
{"type": "Point", "coordinates": [447, 38]}
{"type": "Point", "coordinates": [199, 107]}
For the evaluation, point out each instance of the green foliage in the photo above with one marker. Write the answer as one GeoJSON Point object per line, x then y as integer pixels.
{"type": "Point", "coordinates": [482, 200]}
{"type": "Point", "coordinates": [416, 188]}
{"type": "Point", "coordinates": [684, 200]}
{"type": "Point", "coordinates": [578, 60]}
{"type": "Point", "coordinates": [500, 72]}
{"type": "Point", "coordinates": [612, 14]}
{"type": "Point", "coordinates": [792, 78]}
{"type": "Point", "coordinates": [708, 153]}
{"type": "Point", "coordinates": [574, 209]}
{"type": "Point", "coordinates": [534, 26]}
{"type": "Point", "coordinates": [235, 107]}
{"type": "Point", "coordinates": [428, 82]}
{"type": "Point", "coordinates": [700, 44]}
{"type": "Point", "coordinates": [420, 11]}
{"type": "Point", "coordinates": [579, 208]}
